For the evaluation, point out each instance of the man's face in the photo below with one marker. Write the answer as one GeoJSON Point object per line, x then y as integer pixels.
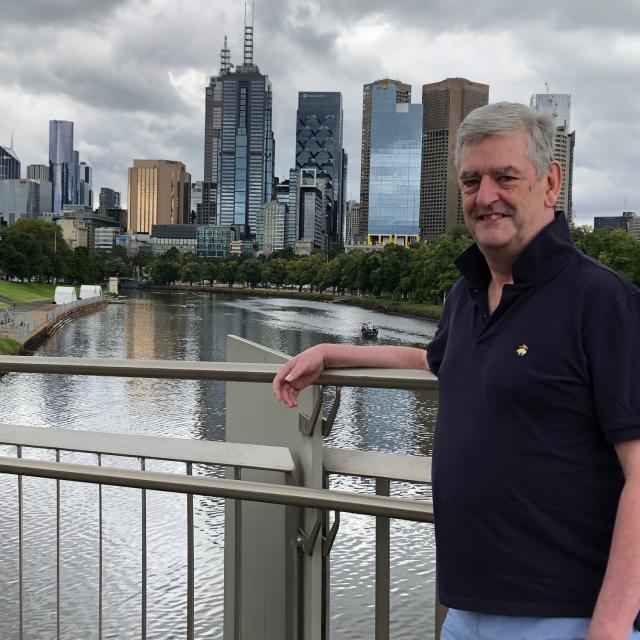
{"type": "Point", "coordinates": [505, 205]}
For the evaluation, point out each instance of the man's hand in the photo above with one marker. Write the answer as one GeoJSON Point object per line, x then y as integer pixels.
{"type": "Point", "coordinates": [297, 374]}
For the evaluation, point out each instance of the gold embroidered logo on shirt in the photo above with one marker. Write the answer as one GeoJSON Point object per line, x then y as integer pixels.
{"type": "Point", "coordinates": [522, 350]}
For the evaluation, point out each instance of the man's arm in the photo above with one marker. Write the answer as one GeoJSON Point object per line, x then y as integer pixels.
{"type": "Point", "coordinates": [305, 368]}
{"type": "Point", "coordinates": [619, 599]}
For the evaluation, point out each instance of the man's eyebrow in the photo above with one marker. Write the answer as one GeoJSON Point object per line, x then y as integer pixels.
{"type": "Point", "coordinates": [502, 171]}
{"type": "Point", "coordinates": [496, 171]}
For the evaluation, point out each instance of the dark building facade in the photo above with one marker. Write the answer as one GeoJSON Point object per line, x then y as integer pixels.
{"type": "Point", "coordinates": [319, 131]}
{"type": "Point", "coordinates": [9, 163]}
{"type": "Point", "coordinates": [445, 105]}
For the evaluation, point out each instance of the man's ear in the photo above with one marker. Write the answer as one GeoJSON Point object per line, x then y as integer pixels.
{"type": "Point", "coordinates": [553, 184]}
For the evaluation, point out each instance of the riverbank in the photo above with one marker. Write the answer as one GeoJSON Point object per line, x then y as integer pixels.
{"type": "Point", "coordinates": [9, 347]}
{"type": "Point", "coordinates": [385, 305]}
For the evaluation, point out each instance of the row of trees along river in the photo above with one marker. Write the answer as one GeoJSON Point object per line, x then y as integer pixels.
{"type": "Point", "coordinates": [33, 249]}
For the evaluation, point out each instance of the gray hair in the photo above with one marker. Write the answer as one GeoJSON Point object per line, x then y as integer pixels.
{"type": "Point", "coordinates": [504, 118]}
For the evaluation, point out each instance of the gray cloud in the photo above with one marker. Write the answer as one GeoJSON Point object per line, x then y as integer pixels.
{"type": "Point", "coordinates": [65, 12]}
{"type": "Point", "coordinates": [132, 73]}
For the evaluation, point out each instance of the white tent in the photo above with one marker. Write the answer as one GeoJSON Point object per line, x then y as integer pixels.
{"type": "Point", "coordinates": [90, 291]}
{"type": "Point", "coordinates": [63, 295]}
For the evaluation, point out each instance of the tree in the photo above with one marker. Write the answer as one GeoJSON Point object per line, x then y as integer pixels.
{"type": "Point", "coordinates": [191, 271]}
{"type": "Point", "coordinates": [250, 272]}
{"type": "Point", "coordinates": [275, 272]}
{"type": "Point", "coordinates": [228, 272]}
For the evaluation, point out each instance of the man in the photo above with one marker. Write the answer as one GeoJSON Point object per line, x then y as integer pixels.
{"type": "Point", "coordinates": [536, 470]}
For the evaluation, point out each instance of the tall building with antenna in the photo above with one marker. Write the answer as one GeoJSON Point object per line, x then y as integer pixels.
{"type": "Point", "coordinates": [239, 142]}
{"type": "Point", "coordinates": [558, 106]}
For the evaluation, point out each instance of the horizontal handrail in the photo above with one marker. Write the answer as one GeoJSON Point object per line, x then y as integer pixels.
{"type": "Point", "coordinates": [372, 464]}
{"type": "Point", "coordinates": [223, 488]}
{"type": "Point", "coordinates": [229, 371]}
{"type": "Point", "coordinates": [230, 454]}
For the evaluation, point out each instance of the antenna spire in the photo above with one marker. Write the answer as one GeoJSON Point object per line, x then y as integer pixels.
{"type": "Point", "coordinates": [11, 138]}
{"type": "Point", "coordinates": [225, 58]}
{"type": "Point", "coordinates": [248, 32]}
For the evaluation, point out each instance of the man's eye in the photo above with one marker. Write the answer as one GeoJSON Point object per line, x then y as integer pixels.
{"type": "Point", "coordinates": [507, 178]}
{"type": "Point", "coordinates": [470, 184]}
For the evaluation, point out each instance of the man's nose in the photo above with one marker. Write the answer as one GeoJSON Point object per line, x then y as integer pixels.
{"type": "Point", "coordinates": [487, 191]}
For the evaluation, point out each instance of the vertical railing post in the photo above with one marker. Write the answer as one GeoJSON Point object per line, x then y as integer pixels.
{"type": "Point", "coordinates": [100, 554]}
{"type": "Point", "coordinates": [237, 592]}
{"type": "Point", "coordinates": [20, 551]}
{"type": "Point", "coordinates": [190, 563]}
{"type": "Point", "coordinates": [269, 571]}
{"type": "Point", "coordinates": [143, 603]}
{"type": "Point", "coordinates": [383, 564]}
{"type": "Point", "coordinates": [441, 612]}
{"type": "Point", "coordinates": [58, 551]}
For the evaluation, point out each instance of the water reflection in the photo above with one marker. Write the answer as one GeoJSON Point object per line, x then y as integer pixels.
{"type": "Point", "coordinates": [159, 326]}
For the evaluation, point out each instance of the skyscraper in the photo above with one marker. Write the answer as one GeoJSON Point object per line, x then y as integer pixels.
{"type": "Point", "coordinates": [239, 143]}
{"type": "Point", "coordinates": [558, 106]}
{"type": "Point", "coordinates": [9, 163]}
{"type": "Point", "coordinates": [159, 193]}
{"type": "Point", "coordinates": [446, 104]}
{"type": "Point", "coordinates": [403, 96]}
{"type": "Point", "coordinates": [394, 168]}
{"type": "Point", "coordinates": [85, 185]}
{"type": "Point", "coordinates": [63, 169]}
{"type": "Point", "coordinates": [319, 128]}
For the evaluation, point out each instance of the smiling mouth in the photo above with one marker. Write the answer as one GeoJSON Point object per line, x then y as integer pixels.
{"type": "Point", "coordinates": [492, 216]}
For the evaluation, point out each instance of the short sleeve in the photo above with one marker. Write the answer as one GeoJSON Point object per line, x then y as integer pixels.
{"type": "Point", "coordinates": [612, 347]}
{"type": "Point", "coordinates": [437, 346]}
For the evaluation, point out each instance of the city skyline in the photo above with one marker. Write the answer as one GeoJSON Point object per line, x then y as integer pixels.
{"type": "Point", "coordinates": [132, 98]}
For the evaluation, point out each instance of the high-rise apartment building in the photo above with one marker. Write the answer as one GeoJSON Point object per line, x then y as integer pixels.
{"type": "Point", "coordinates": [9, 163]}
{"type": "Point", "coordinates": [403, 96]}
{"type": "Point", "coordinates": [159, 193]}
{"type": "Point", "coordinates": [63, 167]}
{"type": "Point", "coordinates": [394, 168]}
{"type": "Point", "coordinates": [239, 143]}
{"type": "Point", "coordinates": [445, 105]}
{"type": "Point", "coordinates": [319, 127]}
{"type": "Point", "coordinates": [270, 227]}
{"type": "Point", "coordinates": [353, 224]}
{"type": "Point", "coordinates": [558, 106]}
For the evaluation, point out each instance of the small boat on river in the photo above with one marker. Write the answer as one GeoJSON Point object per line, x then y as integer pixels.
{"type": "Point", "coordinates": [367, 330]}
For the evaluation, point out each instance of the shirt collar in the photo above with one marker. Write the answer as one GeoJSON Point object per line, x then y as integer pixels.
{"type": "Point", "coordinates": [539, 260]}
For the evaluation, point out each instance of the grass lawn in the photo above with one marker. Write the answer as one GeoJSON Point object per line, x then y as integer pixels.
{"type": "Point", "coordinates": [9, 347]}
{"type": "Point", "coordinates": [21, 292]}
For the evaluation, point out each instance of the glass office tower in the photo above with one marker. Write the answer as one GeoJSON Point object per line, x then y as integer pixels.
{"type": "Point", "coordinates": [62, 167]}
{"type": "Point", "coordinates": [394, 174]}
{"type": "Point", "coordinates": [319, 145]}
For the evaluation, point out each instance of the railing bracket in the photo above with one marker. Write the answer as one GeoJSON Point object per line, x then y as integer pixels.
{"type": "Point", "coordinates": [306, 541]}
{"type": "Point", "coordinates": [307, 425]}
{"type": "Point", "coordinates": [327, 543]}
{"type": "Point", "coordinates": [327, 423]}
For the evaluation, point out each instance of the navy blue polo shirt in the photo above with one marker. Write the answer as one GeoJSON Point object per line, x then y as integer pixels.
{"type": "Point", "coordinates": [532, 398]}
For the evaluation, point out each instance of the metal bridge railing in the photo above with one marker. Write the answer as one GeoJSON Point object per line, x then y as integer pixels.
{"type": "Point", "coordinates": [238, 458]}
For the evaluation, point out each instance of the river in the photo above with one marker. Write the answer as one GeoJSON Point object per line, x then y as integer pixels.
{"type": "Point", "coordinates": [158, 326]}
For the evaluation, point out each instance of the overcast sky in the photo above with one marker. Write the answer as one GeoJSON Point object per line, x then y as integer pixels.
{"type": "Point", "coordinates": [131, 73]}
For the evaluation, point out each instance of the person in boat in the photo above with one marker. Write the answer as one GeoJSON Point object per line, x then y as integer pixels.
{"type": "Point", "coordinates": [537, 489]}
